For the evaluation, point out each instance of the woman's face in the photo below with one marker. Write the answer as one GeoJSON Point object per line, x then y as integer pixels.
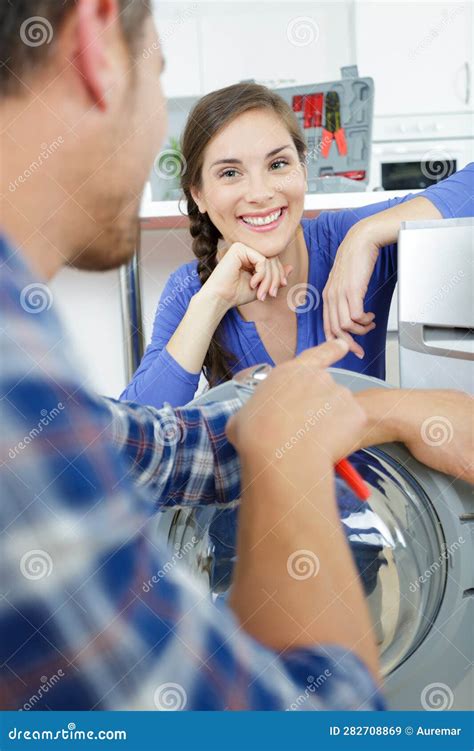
{"type": "Point", "coordinates": [253, 184]}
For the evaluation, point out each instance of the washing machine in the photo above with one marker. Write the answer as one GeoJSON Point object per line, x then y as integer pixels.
{"type": "Point", "coordinates": [412, 543]}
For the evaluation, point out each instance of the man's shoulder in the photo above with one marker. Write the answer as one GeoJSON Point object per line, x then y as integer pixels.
{"type": "Point", "coordinates": [39, 372]}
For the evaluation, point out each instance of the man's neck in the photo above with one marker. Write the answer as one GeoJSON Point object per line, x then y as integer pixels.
{"type": "Point", "coordinates": [33, 150]}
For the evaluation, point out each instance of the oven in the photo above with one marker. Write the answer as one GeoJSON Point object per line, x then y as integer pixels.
{"type": "Point", "coordinates": [414, 152]}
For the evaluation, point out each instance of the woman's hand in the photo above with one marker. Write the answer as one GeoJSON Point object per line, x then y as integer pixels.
{"type": "Point", "coordinates": [345, 290]}
{"type": "Point", "coordinates": [244, 275]}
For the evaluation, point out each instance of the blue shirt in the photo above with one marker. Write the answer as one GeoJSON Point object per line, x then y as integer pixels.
{"type": "Point", "coordinates": [96, 613]}
{"type": "Point", "coordinates": [160, 378]}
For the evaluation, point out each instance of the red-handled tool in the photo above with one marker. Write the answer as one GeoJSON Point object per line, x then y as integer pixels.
{"type": "Point", "coordinates": [333, 129]}
{"type": "Point", "coordinates": [352, 174]}
{"type": "Point", "coordinates": [297, 103]}
{"type": "Point", "coordinates": [351, 476]}
{"type": "Point", "coordinates": [313, 110]}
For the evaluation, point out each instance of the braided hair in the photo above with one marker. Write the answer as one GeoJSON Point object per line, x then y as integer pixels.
{"type": "Point", "coordinates": [212, 113]}
{"type": "Point", "coordinates": [206, 237]}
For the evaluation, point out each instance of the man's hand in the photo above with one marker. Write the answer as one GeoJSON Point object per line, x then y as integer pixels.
{"type": "Point", "coordinates": [436, 426]}
{"type": "Point", "coordinates": [300, 405]}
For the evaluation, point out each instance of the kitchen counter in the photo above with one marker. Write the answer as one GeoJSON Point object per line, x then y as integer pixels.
{"type": "Point", "coordinates": [167, 214]}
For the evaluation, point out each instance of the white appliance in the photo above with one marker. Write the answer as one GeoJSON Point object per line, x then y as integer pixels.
{"type": "Point", "coordinates": [436, 304]}
{"type": "Point", "coordinates": [416, 565]}
{"type": "Point", "coordinates": [415, 151]}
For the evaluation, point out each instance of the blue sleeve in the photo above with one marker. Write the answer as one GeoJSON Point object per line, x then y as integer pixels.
{"type": "Point", "coordinates": [160, 378]}
{"type": "Point", "coordinates": [453, 197]}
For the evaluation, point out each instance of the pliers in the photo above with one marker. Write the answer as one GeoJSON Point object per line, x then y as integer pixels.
{"type": "Point", "coordinates": [332, 128]}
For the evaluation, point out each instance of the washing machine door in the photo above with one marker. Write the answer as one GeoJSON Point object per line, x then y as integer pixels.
{"type": "Point", "coordinates": [402, 548]}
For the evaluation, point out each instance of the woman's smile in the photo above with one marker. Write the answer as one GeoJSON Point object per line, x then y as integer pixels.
{"type": "Point", "coordinates": [264, 221]}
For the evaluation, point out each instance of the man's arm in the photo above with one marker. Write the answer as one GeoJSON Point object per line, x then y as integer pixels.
{"type": "Point", "coordinates": [435, 425]}
{"type": "Point", "coordinates": [95, 600]}
{"type": "Point", "coordinates": [181, 456]}
{"type": "Point", "coordinates": [295, 582]}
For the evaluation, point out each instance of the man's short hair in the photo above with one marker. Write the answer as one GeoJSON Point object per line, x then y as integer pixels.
{"type": "Point", "coordinates": [28, 27]}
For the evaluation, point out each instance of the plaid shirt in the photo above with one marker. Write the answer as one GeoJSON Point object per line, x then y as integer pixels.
{"type": "Point", "coordinates": [95, 612]}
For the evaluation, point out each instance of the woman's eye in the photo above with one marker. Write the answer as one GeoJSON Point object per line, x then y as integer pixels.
{"type": "Point", "coordinates": [228, 173]}
{"type": "Point", "coordinates": [279, 163]}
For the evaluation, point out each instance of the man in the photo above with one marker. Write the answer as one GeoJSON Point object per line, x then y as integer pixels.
{"type": "Point", "coordinates": [83, 475]}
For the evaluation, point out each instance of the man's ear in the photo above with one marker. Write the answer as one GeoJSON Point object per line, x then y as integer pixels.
{"type": "Point", "coordinates": [97, 21]}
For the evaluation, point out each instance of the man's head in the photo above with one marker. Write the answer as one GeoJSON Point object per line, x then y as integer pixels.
{"type": "Point", "coordinates": [81, 100]}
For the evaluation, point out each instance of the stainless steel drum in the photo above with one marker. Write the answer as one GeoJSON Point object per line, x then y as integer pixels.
{"type": "Point", "coordinates": [412, 543]}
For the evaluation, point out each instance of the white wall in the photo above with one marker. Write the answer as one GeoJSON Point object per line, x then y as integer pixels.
{"type": "Point", "coordinates": [420, 53]}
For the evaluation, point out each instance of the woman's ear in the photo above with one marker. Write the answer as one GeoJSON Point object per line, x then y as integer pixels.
{"type": "Point", "coordinates": [197, 198]}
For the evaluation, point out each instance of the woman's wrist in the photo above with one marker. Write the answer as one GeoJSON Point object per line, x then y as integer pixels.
{"type": "Point", "coordinates": [209, 305]}
{"type": "Point", "coordinates": [378, 230]}
{"type": "Point", "coordinates": [382, 228]}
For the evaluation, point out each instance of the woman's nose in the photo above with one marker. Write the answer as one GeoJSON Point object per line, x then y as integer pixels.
{"type": "Point", "coordinates": [259, 190]}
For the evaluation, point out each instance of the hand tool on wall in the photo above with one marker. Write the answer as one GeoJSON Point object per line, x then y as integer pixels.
{"type": "Point", "coordinates": [332, 126]}
{"type": "Point", "coordinates": [297, 103]}
{"type": "Point", "coordinates": [313, 110]}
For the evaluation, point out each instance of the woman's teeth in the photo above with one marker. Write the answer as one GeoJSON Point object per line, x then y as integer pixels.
{"type": "Point", "coordinates": [259, 220]}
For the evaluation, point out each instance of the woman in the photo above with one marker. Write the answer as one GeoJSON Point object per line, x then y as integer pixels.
{"type": "Point", "coordinates": [277, 284]}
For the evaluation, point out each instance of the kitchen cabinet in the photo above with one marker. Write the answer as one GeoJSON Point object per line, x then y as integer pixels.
{"type": "Point", "coordinates": [278, 44]}
{"type": "Point", "coordinates": [178, 28]}
{"type": "Point", "coordinates": [208, 45]}
{"type": "Point", "coordinates": [419, 54]}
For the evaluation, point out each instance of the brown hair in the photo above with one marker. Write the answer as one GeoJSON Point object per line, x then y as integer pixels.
{"type": "Point", "coordinates": [212, 113]}
{"type": "Point", "coordinates": [28, 31]}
